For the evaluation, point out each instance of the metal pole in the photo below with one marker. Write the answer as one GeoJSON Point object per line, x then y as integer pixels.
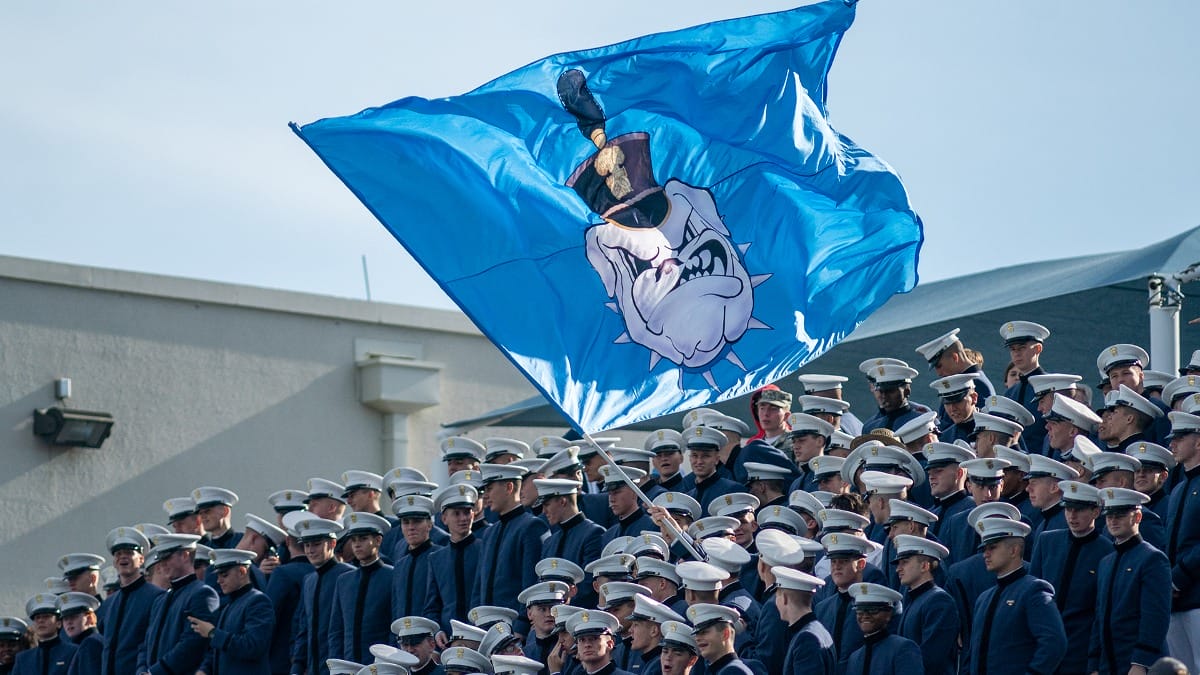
{"type": "Point", "coordinates": [1165, 300]}
{"type": "Point", "coordinates": [680, 535]}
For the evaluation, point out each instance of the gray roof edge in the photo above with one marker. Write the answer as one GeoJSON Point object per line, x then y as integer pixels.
{"type": "Point", "coordinates": [1029, 282]}
{"type": "Point", "coordinates": [234, 295]}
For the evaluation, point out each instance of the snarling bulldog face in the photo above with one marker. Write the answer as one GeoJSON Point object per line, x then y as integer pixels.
{"type": "Point", "coordinates": [681, 287]}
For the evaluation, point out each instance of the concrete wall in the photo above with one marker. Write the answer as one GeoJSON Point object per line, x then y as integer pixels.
{"type": "Point", "coordinates": [249, 389]}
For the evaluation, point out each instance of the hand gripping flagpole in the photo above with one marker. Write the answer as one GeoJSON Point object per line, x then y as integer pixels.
{"type": "Point", "coordinates": [680, 536]}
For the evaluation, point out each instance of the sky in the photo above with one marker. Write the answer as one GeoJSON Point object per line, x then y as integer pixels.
{"type": "Point", "coordinates": [152, 136]}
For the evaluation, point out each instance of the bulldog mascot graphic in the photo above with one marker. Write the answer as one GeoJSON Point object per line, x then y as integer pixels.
{"type": "Point", "coordinates": [663, 253]}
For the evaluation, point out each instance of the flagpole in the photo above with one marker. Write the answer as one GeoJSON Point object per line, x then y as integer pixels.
{"type": "Point", "coordinates": [680, 535]}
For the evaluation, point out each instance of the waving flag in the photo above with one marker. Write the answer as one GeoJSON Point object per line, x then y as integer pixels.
{"type": "Point", "coordinates": [649, 226]}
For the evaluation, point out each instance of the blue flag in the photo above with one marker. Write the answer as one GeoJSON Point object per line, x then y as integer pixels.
{"type": "Point", "coordinates": [646, 227]}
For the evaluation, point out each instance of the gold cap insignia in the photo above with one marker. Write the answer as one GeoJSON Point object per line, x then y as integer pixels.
{"type": "Point", "coordinates": [1112, 350]}
{"type": "Point", "coordinates": [458, 652]}
{"type": "Point", "coordinates": [1010, 328]}
{"type": "Point", "coordinates": [288, 495]}
{"type": "Point", "coordinates": [874, 451]}
{"type": "Point", "coordinates": [354, 517]}
{"type": "Point", "coordinates": [407, 623]}
{"type": "Point", "coordinates": [777, 510]}
{"type": "Point", "coordinates": [881, 370]}
{"type": "Point", "coordinates": [660, 435]}
{"type": "Point", "coordinates": [862, 588]}
{"type": "Point", "coordinates": [670, 497]}
{"type": "Point", "coordinates": [1074, 487]}
{"type": "Point", "coordinates": [979, 526]}
{"type": "Point", "coordinates": [728, 500]}
{"type": "Point", "coordinates": [833, 539]}
{"type": "Point", "coordinates": [450, 443]}
{"type": "Point", "coordinates": [1110, 494]}
{"type": "Point", "coordinates": [584, 617]}
{"type": "Point", "coordinates": [553, 564]}
{"type": "Point", "coordinates": [196, 494]}
{"type": "Point", "coordinates": [462, 490]}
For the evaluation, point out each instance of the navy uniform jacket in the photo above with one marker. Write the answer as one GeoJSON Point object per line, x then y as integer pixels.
{"type": "Point", "coordinates": [310, 643]}
{"type": "Point", "coordinates": [729, 664]}
{"type": "Point", "coordinates": [633, 524]}
{"type": "Point", "coordinates": [241, 640]}
{"type": "Point", "coordinates": [770, 644]}
{"type": "Point", "coordinates": [87, 658]}
{"type": "Point", "coordinates": [1029, 513]}
{"type": "Point", "coordinates": [228, 540]}
{"type": "Point", "coordinates": [837, 615]}
{"type": "Point", "coordinates": [959, 538]}
{"type": "Point", "coordinates": [961, 431]}
{"type": "Point", "coordinates": [810, 649]}
{"type": "Point", "coordinates": [577, 539]}
{"type": "Point", "coordinates": [893, 420]}
{"type": "Point", "coordinates": [1017, 628]}
{"type": "Point", "coordinates": [733, 595]}
{"type": "Point", "coordinates": [510, 550]}
{"type": "Point", "coordinates": [1183, 540]}
{"type": "Point", "coordinates": [1159, 504]}
{"type": "Point", "coordinates": [885, 654]}
{"type": "Point", "coordinates": [50, 657]}
{"type": "Point", "coordinates": [648, 663]}
{"type": "Point", "coordinates": [966, 581]}
{"type": "Point", "coordinates": [1033, 436]}
{"type": "Point", "coordinates": [930, 620]}
{"type": "Point", "coordinates": [1052, 519]}
{"type": "Point", "coordinates": [595, 508]}
{"type": "Point", "coordinates": [126, 616]}
{"type": "Point", "coordinates": [1071, 565]}
{"type": "Point", "coordinates": [1133, 608]}
{"type": "Point", "coordinates": [709, 489]}
{"type": "Point", "coordinates": [171, 646]}
{"type": "Point", "coordinates": [948, 507]}
{"type": "Point", "coordinates": [283, 589]}
{"type": "Point", "coordinates": [362, 612]}
{"type": "Point", "coordinates": [258, 580]}
{"type": "Point", "coordinates": [537, 648]}
{"type": "Point", "coordinates": [410, 582]}
{"type": "Point", "coordinates": [452, 573]}
{"type": "Point", "coordinates": [806, 481]}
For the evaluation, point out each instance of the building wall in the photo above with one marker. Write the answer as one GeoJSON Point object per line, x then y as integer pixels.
{"type": "Point", "coordinates": [210, 384]}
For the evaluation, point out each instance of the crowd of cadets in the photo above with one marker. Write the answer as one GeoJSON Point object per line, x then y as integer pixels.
{"type": "Point", "coordinates": [1033, 531]}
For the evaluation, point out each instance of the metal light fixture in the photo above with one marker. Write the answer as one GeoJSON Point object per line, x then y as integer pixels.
{"type": "Point", "coordinates": [81, 428]}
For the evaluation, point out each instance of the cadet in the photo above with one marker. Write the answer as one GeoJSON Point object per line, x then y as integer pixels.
{"type": "Point", "coordinates": [565, 465]}
{"type": "Point", "coordinates": [662, 580]}
{"type": "Point", "coordinates": [1121, 365]}
{"type": "Point", "coordinates": [810, 648]}
{"type": "Point", "coordinates": [415, 634]}
{"type": "Point", "coordinates": [171, 646]}
{"type": "Point", "coordinates": [623, 502]}
{"type": "Point", "coordinates": [809, 437]}
{"type": "Point", "coordinates": [265, 540]}
{"type": "Point", "coordinates": [572, 535]}
{"type": "Point", "coordinates": [645, 632]}
{"type": "Point", "coordinates": [732, 457]}
{"type": "Point", "coordinates": [905, 519]}
{"type": "Point", "coordinates": [983, 482]}
{"type": "Point", "coordinates": [930, 616]}
{"type": "Point", "coordinates": [771, 636]}
{"type": "Point", "coordinates": [830, 386]}
{"type": "Point", "coordinates": [594, 631]}
{"type": "Point", "coordinates": [539, 601]}
{"type": "Point", "coordinates": [361, 614]}
{"type": "Point", "coordinates": [15, 638]}
{"type": "Point", "coordinates": [879, 490]}
{"type": "Point", "coordinates": [892, 385]}
{"type": "Point", "coordinates": [1152, 478]}
{"type": "Point", "coordinates": [767, 483]}
{"type": "Point", "coordinates": [284, 588]}
{"type": "Point", "coordinates": [81, 571]}
{"type": "Point", "coordinates": [325, 499]}
{"type": "Point", "coordinates": [410, 578]}
{"type": "Point", "coordinates": [1044, 476]}
{"type": "Point", "coordinates": [1066, 420]}
{"type": "Point", "coordinates": [847, 554]}
{"type": "Point", "coordinates": [919, 432]}
{"type": "Point", "coordinates": [1016, 479]}
{"type": "Point", "coordinates": [947, 480]}
{"type": "Point", "coordinates": [1024, 341]}
{"type": "Point", "coordinates": [679, 650]}
{"type": "Point", "coordinates": [732, 559]}
{"type": "Point", "coordinates": [705, 483]}
{"type": "Point", "coordinates": [215, 505]}
{"type": "Point", "coordinates": [1127, 419]}
{"type": "Point", "coordinates": [1016, 627]}
{"type": "Point", "coordinates": [1133, 599]}
{"type": "Point", "coordinates": [310, 645]}
{"type": "Point", "coordinates": [991, 431]}
{"type": "Point", "coordinates": [1069, 560]}
{"type": "Point", "coordinates": [79, 623]}
{"type": "Point", "coordinates": [714, 633]}
{"type": "Point", "coordinates": [454, 567]}
{"type": "Point", "coordinates": [363, 492]}
{"type": "Point", "coordinates": [967, 579]}
{"type": "Point", "coordinates": [1183, 541]}
{"type": "Point", "coordinates": [127, 612]}
{"type": "Point", "coordinates": [462, 454]}
{"type": "Point", "coordinates": [947, 356]}
{"type": "Point", "coordinates": [667, 446]}
{"type": "Point", "coordinates": [881, 652]}
{"type": "Point", "coordinates": [52, 655]}
{"type": "Point", "coordinates": [511, 547]}
{"type": "Point", "coordinates": [1116, 470]}
{"type": "Point", "coordinates": [182, 516]}
{"type": "Point", "coordinates": [959, 399]}
{"type": "Point", "coordinates": [241, 636]}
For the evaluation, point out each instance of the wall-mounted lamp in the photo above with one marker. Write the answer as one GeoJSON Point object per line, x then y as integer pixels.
{"type": "Point", "coordinates": [61, 426]}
